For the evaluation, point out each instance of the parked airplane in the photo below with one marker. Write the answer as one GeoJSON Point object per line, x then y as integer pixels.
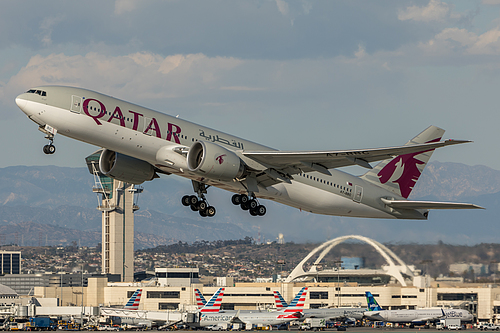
{"type": "Point", "coordinates": [327, 313]}
{"type": "Point", "coordinates": [251, 317]}
{"type": "Point", "coordinates": [131, 308]}
{"type": "Point", "coordinates": [417, 316]}
{"type": "Point", "coordinates": [139, 143]}
{"type": "Point", "coordinates": [131, 316]}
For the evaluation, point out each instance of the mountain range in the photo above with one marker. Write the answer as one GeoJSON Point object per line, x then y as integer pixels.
{"type": "Point", "coordinates": [50, 205]}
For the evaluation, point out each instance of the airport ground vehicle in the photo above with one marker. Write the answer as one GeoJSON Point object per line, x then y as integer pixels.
{"type": "Point", "coordinates": [488, 327]}
{"type": "Point", "coordinates": [315, 324]}
{"type": "Point", "coordinates": [40, 324]}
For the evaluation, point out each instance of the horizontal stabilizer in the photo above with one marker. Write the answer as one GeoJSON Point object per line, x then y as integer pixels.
{"type": "Point", "coordinates": [411, 204]}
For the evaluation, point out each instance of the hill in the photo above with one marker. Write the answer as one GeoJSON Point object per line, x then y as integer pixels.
{"type": "Point", "coordinates": [62, 198]}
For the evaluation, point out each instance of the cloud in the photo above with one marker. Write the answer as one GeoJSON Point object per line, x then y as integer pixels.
{"type": "Point", "coordinates": [434, 11]}
{"type": "Point", "coordinates": [125, 6]}
{"type": "Point", "coordinates": [47, 27]}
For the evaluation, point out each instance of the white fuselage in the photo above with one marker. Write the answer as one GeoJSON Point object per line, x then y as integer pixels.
{"type": "Point", "coordinates": [418, 315]}
{"type": "Point", "coordinates": [152, 136]}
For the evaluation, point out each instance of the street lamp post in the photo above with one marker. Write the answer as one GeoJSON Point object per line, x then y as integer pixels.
{"type": "Point", "coordinates": [338, 263]}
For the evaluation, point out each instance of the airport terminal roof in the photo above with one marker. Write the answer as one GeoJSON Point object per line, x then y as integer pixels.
{"type": "Point", "coordinates": [7, 291]}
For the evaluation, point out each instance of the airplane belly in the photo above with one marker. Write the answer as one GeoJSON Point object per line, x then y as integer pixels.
{"type": "Point", "coordinates": [319, 201]}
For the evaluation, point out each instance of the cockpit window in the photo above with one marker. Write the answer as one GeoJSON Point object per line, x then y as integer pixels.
{"type": "Point", "coordinates": [38, 92]}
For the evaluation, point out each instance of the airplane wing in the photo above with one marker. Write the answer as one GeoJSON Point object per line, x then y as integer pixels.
{"type": "Point", "coordinates": [293, 162]}
{"type": "Point", "coordinates": [412, 204]}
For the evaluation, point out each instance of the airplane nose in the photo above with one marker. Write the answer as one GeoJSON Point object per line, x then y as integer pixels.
{"type": "Point", "coordinates": [21, 102]}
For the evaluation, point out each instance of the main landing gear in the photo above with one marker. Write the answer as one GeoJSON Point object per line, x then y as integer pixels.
{"type": "Point", "coordinates": [199, 203]}
{"type": "Point", "coordinates": [250, 204]}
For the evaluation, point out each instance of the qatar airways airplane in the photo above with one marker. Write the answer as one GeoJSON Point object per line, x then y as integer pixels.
{"type": "Point", "coordinates": [139, 143]}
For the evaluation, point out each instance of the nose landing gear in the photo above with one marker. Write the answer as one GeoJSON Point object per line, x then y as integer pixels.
{"type": "Point", "coordinates": [50, 133]}
{"type": "Point", "coordinates": [249, 203]}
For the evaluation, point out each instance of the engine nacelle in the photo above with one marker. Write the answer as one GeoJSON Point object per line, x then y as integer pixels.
{"type": "Point", "coordinates": [125, 168]}
{"type": "Point", "coordinates": [214, 161]}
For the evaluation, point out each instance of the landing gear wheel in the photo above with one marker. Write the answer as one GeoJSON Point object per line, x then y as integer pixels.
{"type": "Point", "coordinates": [244, 199]}
{"type": "Point", "coordinates": [252, 204]}
{"type": "Point", "coordinates": [202, 205]}
{"type": "Point", "coordinates": [49, 149]}
{"type": "Point", "coordinates": [236, 199]}
{"type": "Point", "coordinates": [193, 200]}
{"type": "Point", "coordinates": [203, 213]}
{"type": "Point", "coordinates": [194, 208]}
{"type": "Point", "coordinates": [186, 200]}
{"type": "Point", "coordinates": [261, 210]}
{"type": "Point", "coordinates": [253, 212]}
{"type": "Point", "coordinates": [244, 206]}
{"type": "Point", "coordinates": [210, 211]}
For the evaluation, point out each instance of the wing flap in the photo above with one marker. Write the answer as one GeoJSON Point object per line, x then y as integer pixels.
{"type": "Point", "coordinates": [412, 204]}
{"type": "Point", "coordinates": [308, 161]}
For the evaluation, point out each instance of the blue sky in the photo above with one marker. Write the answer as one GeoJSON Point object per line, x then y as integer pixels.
{"type": "Point", "coordinates": [294, 75]}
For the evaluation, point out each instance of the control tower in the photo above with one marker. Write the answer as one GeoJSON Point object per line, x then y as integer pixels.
{"type": "Point", "coordinates": [116, 201]}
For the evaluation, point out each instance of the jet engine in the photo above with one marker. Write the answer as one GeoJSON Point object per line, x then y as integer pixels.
{"type": "Point", "coordinates": [214, 161]}
{"type": "Point", "coordinates": [125, 168]}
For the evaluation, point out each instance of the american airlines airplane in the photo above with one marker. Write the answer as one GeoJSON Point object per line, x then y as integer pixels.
{"type": "Point", "coordinates": [139, 143]}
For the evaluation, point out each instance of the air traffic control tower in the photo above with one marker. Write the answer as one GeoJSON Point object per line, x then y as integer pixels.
{"type": "Point", "coordinates": [116, 201]}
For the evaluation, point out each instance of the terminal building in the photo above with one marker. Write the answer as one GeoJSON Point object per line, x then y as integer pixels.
{"type": "Point", "coordinates": [395, 286]}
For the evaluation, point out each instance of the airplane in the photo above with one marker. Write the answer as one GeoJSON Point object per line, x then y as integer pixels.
{"type": "Point", "coordinates": [327, 313]}
{"type": "Point", "coordinates": [131, 307]}
{"type": "Point", "coordinates": [131, 316]}
{"type": "Point", "coordinates": [214, 316]}
{"type": "Point", "coordinates": [416, 316]}
{"type": "Point", "coordinates": [139, 143]}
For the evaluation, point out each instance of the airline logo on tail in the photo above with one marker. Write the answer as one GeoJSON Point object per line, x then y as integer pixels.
{"type": "Point", "coordinates": [407, 167]}
{"type": "Point", "coordinates": [279, 301]}
{"type": "Point", "coordinates": [294, 310]}
{"type": "Point", "coordinates": [200, 300]}
{"type": "Point", "coordinates": [133, 302]}
{"type": "Point", "coordinates": [372, 303]}
{"type": "Point", "coordinates": [215, 302]}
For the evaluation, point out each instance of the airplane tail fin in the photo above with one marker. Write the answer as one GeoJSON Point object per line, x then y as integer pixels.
{"type": "Point", "coordinates": [279, 301]}
{"type": "Point", "coordinates": [297, 305]}
{"type": "Point", "coordinates": [214, 303]}
{"type": "Point", "coordinates": [400, 174]}
{"type": "Point", "coordinates": [372, 303]}
{"type": "Point", "coordinates": [133, 302]}
{"type": "Point", "coordinates": [200, 300]}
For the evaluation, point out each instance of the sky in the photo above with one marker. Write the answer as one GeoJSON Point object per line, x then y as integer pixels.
{"type": "Point", "coordinates": [293, 75]}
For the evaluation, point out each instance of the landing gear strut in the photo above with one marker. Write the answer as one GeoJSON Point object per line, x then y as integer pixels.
{"type": "Point", "coordinates": [199, 203]}
{"type": "Point", "coordinates": [249, 203]}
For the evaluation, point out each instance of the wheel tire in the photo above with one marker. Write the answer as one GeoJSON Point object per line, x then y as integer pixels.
{"type": "Point", "coordinates": [261, 210]}
{"type": "Point", "coordinates": [194, 208]}
{"type": "Point", "coordinates": [193, 200]}
{"type": "Point", "coordinates": [244, 205]}
{"type": "Point", "coordinates": [46, 149]}
{"type": "Point", "coordinates": [202, 205]}
{"type": "Point", "coordinates": [253, 204]}
{"type": "Point", "coordinates": [185, 200]}
{"type": "Point", "coordinates": [236, 199]}
{"type": "Point", "coordinates": [210, 211]}
{"type": "Point", "coordinates": [244, 199]}
{"type": "Point", "coordinates": [203, 213]}
{"type": "Point", "coordinates": [51, 149]}
{"type": "Point", "coordinates": [253, 211]}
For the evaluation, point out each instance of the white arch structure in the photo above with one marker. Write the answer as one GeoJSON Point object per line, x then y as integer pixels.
{"type": "Point", "coordinates": [393, 269]}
